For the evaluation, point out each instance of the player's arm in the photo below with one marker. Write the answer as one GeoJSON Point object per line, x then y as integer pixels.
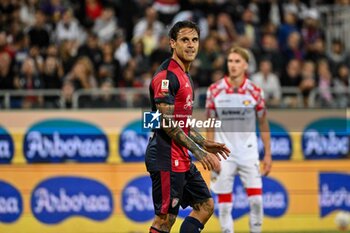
{"type": "Point", "coordinates": [207, 159]}
{"type": "Point", "coordinates": [265, 137]}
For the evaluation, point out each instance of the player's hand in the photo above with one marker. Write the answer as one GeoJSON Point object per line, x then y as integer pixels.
{"type": "Point", "coordinates": [217, 169]}
{"type": "Point", "coordinates": [208, 160]}
{"type": "Point", "coordinates": [266, 164]}
{"type": "Point", "coordinates": [219, 149]}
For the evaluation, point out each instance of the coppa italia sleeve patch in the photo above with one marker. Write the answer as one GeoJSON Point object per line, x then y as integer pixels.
{"type": "Point", "coordinates": [165, 85]}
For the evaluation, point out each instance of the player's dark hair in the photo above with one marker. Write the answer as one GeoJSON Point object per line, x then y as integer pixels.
{"type": "Point", "coordinates": [180, 25]}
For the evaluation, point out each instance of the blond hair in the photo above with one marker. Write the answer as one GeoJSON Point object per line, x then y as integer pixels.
{"type": "Point", "coordinates": [241, 51]}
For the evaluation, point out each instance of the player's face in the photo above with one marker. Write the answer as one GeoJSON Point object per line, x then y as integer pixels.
{"type": "Point", "coordinates": [186, 45]}
{"type": "Point", "coordinates": [236, 65]}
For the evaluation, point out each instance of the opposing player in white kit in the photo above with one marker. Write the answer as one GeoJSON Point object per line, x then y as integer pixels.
{"type": "Point", "coordinates": [238, 103]}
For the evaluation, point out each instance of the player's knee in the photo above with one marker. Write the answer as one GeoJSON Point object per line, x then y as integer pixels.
{"type": "Point", "coordinates": [210, 206]}
{"type": "Point", "coordinates": [164, 220]}
{"type": "Point", "coordinates": [255, 202]}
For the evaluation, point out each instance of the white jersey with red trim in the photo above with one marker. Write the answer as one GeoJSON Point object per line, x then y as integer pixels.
{"type": "Point", "coordinates": [238, 109]}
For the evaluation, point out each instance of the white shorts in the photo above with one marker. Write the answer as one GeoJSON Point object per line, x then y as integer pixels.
{"type": "Point", "coordinates": [248, 170]}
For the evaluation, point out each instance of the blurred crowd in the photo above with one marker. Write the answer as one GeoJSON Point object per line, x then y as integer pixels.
{"type": "Point", "coordinates": [105, 44]}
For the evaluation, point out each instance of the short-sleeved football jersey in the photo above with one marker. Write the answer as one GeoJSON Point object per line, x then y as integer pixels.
{"type": "Point", "coordinates": [237, 108]}
{"type": "Point", "coordinates": [173, 86]}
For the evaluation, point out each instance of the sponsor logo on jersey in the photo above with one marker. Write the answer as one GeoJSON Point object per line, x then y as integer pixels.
{"type": "Point", "coordinates": [59, 140]}
{"type": "Point", "coordinates": [334, 192]}
{"type": "Point", "coordinates": [327, 138]}
{"type": "Point", "coordinates": [6, 146]}
{"type": "Point", "coordinates": [247, 102]}
{"type": "Point", "coordinates": [275, 199]}
{"type": "Point", "coordinates": [133, 141]}
{"type": "Point", "coordinates": [59, 198]}
{"type": "Point", "coordinates": [11, 204]}
{"type": "Point", "coordinates": [281, 143]}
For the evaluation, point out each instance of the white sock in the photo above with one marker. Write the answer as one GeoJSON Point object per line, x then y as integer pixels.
{"type": "Point", "coordinates": [256, 213]}
{"type": "Point", "coordinates": [225, 217]}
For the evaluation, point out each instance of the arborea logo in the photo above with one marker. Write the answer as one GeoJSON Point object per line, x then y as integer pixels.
{"type": "Point", "coordinates": [59, 198]}
{"type": "Point", "coordinates": [11, 204]}
{"type": "Point", "coordinates": [58, 140]}
{"type": "Point", "coordinates": [137, 201]}
{"type": "Point", "coordinates": [334, 192]}
{"type": "Point", "coordinates": [153, 120]}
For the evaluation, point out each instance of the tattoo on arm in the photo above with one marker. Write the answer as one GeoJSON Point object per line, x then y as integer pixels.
{"type": "Point", "coordinates": [176, 133]}
{"type": "Point", "coordinates": [197, 137]}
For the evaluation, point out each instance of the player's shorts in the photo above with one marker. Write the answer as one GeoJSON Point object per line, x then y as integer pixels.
{"type": "Point", "coordinates": [249, 172]}
{"type": "Point", "coordinates": [172, 189]}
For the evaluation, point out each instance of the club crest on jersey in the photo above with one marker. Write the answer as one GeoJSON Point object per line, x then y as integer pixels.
{"type": "Point", "coordinates": [246, 102]}
{"type": "Point", "coordinates": [165, 85]}
{"type": "Point", "coordinates": [174, 202]}
{"type": "Point", "coordinates": [189, 102]}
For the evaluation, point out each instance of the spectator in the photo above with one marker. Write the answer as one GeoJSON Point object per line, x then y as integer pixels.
{"type": "Point", "coordinates": [6, 74]}
{"type": "Point", "coordinates": [161, 53]}
{"type": "Point", "coordinates": [39, 33]}
{"type": "Point", "coordinates": [209, 58]}
{"type": "Point", "coordinates": [122, 52]}
{"type": "Point", "coordinates": [82, 74]}
{"type": "Point", "coordinates": [53, 9]}
{"type": "Point", "coordinates": [68, 29]}
{"type": "Point", "coordinates": [150, 27]}
{"type": "Point", "coordinates": [29, 79]}
{"type": "Point", "coordinates": [269, 82]}
{"type": "Point", "coordinates": [105, 25]}
{"type": "Point", "coordinates": [293, 49]}
{"type": "Point", "coordinates": [337, 56]}
{"type": "Point", "coordinates": [223, 28]}
{"type": "Point", "coordinates": [91, 50]}
{"type": "Point", "coordinates": [67, 53]}
{"type": "Point", "coordinates": [288, 26]}
{"type": "Point", "coordinates": [67, 94]}
{"type": "Point", "coordinates": [269, 50]}
{"type": "Point", "coordinates": [166, 9]}
{"type": "Point", "coordinates": [93, 9]}
{"type": "Point", "coordinates": [318, 52]}
{"type": "Point", "coordinates": [248, 28]}
{"type": "Point", "coordinates": [7, 7]}
{"type": "Point", "coordinates": [140, 58]}
{"type": "Point", "coordinates": [325, 85]}
{"type": "Point", "coordinates": [52, 79]}
{"type": "Point", "coordinates": [291, 77]}
{"type": "Point", "coordinates": [108, 99]}
{"type": "Point", "coordinates": [110, 67]}
{"type": "Point", "coordinates": [308, 81]}
{"type": "Point", "coordinates": [53, 73]}
{"type": "Point", "coordinates": [21, 46]}
{"type": "Point", "coordinates": [28, 11]}
{"type": "Point", "coordinates": [342, 87]}
{"type": "Point", "coordinates": [311, 31]}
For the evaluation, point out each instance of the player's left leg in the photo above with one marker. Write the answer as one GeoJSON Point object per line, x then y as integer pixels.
{"type": "Point", "coordinates": [196, 194]}
{"type": "Point", "coordinates": [249, 172]}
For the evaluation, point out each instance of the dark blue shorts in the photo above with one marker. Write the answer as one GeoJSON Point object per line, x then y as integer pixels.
{"type": "Point", "coordinates": [172, 189]}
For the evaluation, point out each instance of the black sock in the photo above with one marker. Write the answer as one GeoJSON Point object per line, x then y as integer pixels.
{"type": "Point", "coordinates": [155, 230]}
{"type": "Point", "coordinates": [191, 225]}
